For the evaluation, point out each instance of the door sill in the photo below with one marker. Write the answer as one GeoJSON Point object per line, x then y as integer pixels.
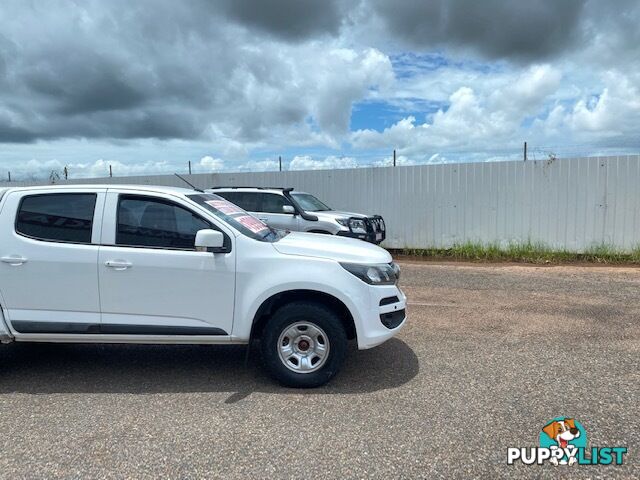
{"type": "Point", "coordinates": [128, 338]}
{"type": "Point", "coordinates": [69, 328]}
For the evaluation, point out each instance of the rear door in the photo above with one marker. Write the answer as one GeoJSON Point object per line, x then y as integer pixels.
{"type": "Point", "coordinates": [268, 207]}
{"type": "Point", "coordinates": [48, 260]}
{"type": "Point", "coordinates": [248, 201]}
{"type": "Point", "coordinates": [152, 280]}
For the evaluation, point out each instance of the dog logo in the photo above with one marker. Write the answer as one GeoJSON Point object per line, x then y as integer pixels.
{"type": "Point", "coordinates": [565, 434]}
{"type": "Point", "coordinates": [563, 441]}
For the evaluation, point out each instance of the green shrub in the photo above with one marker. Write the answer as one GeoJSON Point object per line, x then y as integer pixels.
{"type": "Point", "coordinates": [528, 252]}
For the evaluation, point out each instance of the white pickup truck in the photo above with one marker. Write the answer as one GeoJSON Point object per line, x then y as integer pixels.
{"type": "Point", "coordinates": [138, 264]}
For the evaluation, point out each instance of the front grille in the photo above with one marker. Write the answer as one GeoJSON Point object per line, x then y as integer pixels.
{"type": "Point", "coordinates": [392, 319]}
{"type": "Point", "coordinates": [375, 229]}
{"type": "Point", "coordinates": [376, 224]}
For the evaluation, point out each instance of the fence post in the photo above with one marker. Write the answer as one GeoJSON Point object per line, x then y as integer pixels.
{"type": "Point", "coordinates": [525, 151]}
{"type": "Point", "coordinates": [110, 171]}
{"type": "Point", "coordinates": [394, 157]}
{"type": "Point", "coordinates": [9, 173]}
{"type": "Point", "coordinates": [189, 167]}
{"type": "Point", "coordinates": [280, 162]}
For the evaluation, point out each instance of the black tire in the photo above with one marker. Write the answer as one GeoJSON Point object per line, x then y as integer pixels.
{"type": "Point", "coordinates": [293, 314]}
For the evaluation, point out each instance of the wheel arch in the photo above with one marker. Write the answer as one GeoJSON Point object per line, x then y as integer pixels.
{"type": "Point", "coordinates": [271, 304]}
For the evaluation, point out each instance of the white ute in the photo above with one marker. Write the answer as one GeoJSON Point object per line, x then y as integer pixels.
{"type": "Point", "coordinates": [138, 264]}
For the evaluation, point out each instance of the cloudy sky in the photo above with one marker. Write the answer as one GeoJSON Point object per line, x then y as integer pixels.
{"type": "Point", "coordinates": [147, 86]}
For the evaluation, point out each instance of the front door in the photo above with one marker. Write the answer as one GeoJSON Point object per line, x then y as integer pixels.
{"type": "Point", "coordinates": [271, 211]}
{"type": "Point", "coordinates": [49, 256]}
{"type": "Point", "coordinates": [152, 280]}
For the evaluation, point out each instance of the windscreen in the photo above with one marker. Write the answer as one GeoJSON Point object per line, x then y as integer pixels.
{"type": "Point", "coordinates": [235, 216]}
{"type": "Point", "coordinates": [309, 203]}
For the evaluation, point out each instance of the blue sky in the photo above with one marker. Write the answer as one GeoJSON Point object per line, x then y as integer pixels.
{"type": "Point", "coordinates": [150, 86]}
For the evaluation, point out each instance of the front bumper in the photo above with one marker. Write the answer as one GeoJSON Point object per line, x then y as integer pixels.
{"type": "Point", "coordinates": [386, 316]}
{"type": "Point", "coordinates": [376, 230]}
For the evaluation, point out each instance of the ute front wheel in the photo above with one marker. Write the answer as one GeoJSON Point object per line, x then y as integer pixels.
{"type": "Point", "coordinates": [303, 345]}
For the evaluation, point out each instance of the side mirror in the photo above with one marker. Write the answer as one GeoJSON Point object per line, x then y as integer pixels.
{"type": "Point", "coordinates": [209, 240]}
{"type": "Point", "coordinates": [288, 209]}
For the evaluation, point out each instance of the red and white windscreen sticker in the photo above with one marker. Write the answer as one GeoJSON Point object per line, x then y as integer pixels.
{"type": "Point", "coordinates": [225, 207]}
{"type": "Point", "coordinates": [251, 223]}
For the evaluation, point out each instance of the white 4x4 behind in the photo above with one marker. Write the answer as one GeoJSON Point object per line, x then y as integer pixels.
{"type": "Point", "coordinates": [134, 264]}
{"type": "Point", "coordinates": [288, 209]}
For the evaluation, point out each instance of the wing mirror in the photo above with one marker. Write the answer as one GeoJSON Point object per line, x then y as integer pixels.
{"type": "Point", "coordinates": [209, 241]}
{"type": "Point", "coordinates": [288, 209]}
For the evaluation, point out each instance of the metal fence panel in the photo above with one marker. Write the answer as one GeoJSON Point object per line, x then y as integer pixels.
{"type": "Point", "coordinates": [571, 204]}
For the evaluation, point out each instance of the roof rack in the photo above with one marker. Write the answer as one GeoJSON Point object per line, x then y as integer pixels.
{"type": "Point", "coordinates": [284, 189]}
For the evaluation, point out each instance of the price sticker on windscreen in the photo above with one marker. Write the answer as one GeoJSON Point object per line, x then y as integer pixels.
{"type": "Point", "coordinates": [252, 223]}
{"type": "Point", "coordinates": [223, 206]}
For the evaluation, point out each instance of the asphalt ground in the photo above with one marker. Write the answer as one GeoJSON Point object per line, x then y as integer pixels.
{"type": "Point", "coordinates": [490, 354]}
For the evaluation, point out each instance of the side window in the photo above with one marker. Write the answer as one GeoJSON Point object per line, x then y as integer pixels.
{"type": "Point", "coordinates": [150, 222]}
{"type": "Point", "coordinates": [233, 197]}
{"type": "Point", "coordinates": [58, 217]}
{"type": "Point", "coordinates": [246, 200]}
{"type": "Point", "coordinates": [273, 203]}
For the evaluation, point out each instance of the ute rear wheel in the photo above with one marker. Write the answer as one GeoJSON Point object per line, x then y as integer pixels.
{"type": "Point", "coordinates": [303, 345]}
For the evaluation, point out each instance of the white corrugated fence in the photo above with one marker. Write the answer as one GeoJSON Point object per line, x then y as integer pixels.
{"type": "Point", "coordinates": [571, 204]}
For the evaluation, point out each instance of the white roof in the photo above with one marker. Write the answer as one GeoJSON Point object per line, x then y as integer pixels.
{"type": "Point", "coordinates": [248, 189]}
{"type": "Point", "coordinates": [139, 188]}
{"type": "Point", "coordinates": [244, 189]}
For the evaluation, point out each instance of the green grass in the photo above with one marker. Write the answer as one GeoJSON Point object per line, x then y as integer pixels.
{"type": "Point", "coordinates": [523, 253]}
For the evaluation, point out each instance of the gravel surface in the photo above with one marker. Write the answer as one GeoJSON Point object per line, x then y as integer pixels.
{"type": "Point", "coordinates": [490, 354]}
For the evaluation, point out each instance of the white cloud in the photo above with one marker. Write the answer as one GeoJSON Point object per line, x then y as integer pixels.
{"type": "Point", "coordinates": [493, 120]}
{"type": "Point", "coordinates": [298, 94]}
{"type": "Point", "coordinates": [613, 111]}
{"type": "Point", "coordinates": [39, 170]}
{"type": "Point", "coordinates": [524, 94]}
{"type": "Point", "coordinates": [267, 165]}
{"type": "Point", "coordinates": [608, 119]}
{"type": "Point", "coordinates": [436, 158]}
{"type": "Point", "coordinates": [211, 164]}
{"type": "Point", "coordinates": [468, 120]}
{"type": "Point", "coordinates": [537, 83]}
{"type": "Point", "coordinates": [401, 160]}
{"type": "Point", "coordinates": [305, 162]}
{"type": "Point", "coordinates": [345, 77]}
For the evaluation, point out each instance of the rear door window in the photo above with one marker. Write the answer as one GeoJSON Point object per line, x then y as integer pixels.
{"type": "Point", "coordinates": [57, 217]}
{"type": "Point", "coordinates": [248, 201]}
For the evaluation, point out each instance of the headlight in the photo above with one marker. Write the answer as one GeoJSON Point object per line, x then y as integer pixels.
{"type": "Point", "coordinates": [357, 225]}
{"type": "Point", "coordinates": [379, 274]}
{"type": "Point", "coordinates": [396, 270]}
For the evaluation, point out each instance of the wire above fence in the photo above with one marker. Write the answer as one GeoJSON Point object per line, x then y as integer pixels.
{"type": "Point", "coordinates": [390, 158]}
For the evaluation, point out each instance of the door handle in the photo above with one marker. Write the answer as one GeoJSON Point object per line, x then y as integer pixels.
{"type": "Point", "coordinates": [118, 264]}
{"type": "Point", "coordinates": [262, 219]}
{"type": "Point", "coordinates": [14, 260]}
